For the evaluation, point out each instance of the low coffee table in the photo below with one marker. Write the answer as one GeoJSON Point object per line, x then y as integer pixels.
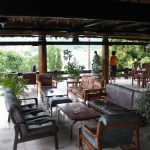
{"type": "Point", "coordinates": [77, 112]}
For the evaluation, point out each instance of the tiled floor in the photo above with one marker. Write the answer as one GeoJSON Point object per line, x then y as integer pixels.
{"type": "Point", "coordinates": [7, 131]}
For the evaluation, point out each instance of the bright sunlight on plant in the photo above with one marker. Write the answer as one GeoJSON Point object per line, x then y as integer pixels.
{"type": "Point", "coordinates": [72, 68]}
{"type": "Point", "coordinates": [17, 84]}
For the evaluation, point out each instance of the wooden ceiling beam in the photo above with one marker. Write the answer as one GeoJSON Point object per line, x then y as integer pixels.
{"type": "Point", "coordinates": [69, 29]}
{"type": "Point", "coordinates": [9, 43]}
{"type": "Point", "coordinates": [68, 9]}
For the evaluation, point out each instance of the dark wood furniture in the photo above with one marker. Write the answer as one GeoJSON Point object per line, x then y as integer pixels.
{"type": "Point", "coordinates": [111, 131]}
{"type": "Point", "coordinates": [45, 80]}
{"type": "Point", "coordinates": [88, 84]}
{"type": "Point", "coordinates": [30, 77]}
{"type": "Point", "coordinates": [83, 113]}
{"type": "Point", "coordinates": [136, 66]}
{"type": "Point", "coordinates": [144, 75]}
{"type": "Point", "coordinates": [33, 129]}
{"type": "Point", "coordinates": [29, 124]}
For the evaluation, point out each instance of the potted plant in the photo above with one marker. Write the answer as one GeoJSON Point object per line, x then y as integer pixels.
{"type": "Point", "coordinates": [72, 68]}
{"type": "Point", "coordinates": [144, 107]}
{"type": "Point", "coordinates": [17, 84]}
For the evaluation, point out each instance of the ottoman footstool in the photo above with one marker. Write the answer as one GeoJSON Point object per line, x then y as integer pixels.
{"type": "Point", "coordinates": [53, 101]}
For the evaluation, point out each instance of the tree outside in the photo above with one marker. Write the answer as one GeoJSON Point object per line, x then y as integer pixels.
{"type": "Point", "coordinates": [23, 61]}
{"type": "Point", "coordinates": [127, 54]}
{"type": "Point", "coordinates": [54, 61]}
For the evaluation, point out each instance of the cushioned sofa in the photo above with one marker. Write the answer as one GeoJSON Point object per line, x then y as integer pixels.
{"type": "Point", "coordinates": [118, 99]}
{"type": "Point", "coordinates": [88, 84]}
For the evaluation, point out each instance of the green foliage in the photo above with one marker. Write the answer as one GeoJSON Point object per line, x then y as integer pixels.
{"type": "Point", "coordinates": [13, 61]}
{"type": "Point", "coordinates": [144, 107]}
{"type": "Point", "coordinates": [127, 54]}
{"type": "Point", "coordinates": [2, 61]}
{"type": "Point", "coordinates": [17, 84]}
{"type": "Point", "coordinates": [72, 68]}
{"type": "Point", "coordinates": [54, 58]}
{"type": "Point", "coordinates": [28, 62]}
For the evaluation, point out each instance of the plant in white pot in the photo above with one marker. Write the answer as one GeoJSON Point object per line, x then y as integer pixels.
{"type": "Point", "coordinates": [72, 68]}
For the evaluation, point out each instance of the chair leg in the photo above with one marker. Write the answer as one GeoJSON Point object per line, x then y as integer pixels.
{"type": "Point", "coordinates": [132, 80]}
{"type": "Point", "coordinates": [15, 142]}
{"type": "Point", "coordinates": [9, 118]}
{"type": "Point", "coordinates": [80, 140]}
{"type": "Point", "coordinates": [56, 141]}
{"type": "Point", "coordinates": [15, 145]}
{"type": "Point", "coordinates": [137, 142]}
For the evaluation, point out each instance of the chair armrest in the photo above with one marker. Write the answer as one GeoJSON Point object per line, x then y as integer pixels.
{"type": "Point", "coordinates": [88, 130]}
{"type": "Point", "coordinates": [73, 83]}
{"type": "Point", "coordinates": [90, 96]}
{"type": "Point", "coordinates": [27, 99]}
{"type": "Point", "coordinates": [93, 93]}
{"type": "Point", "coordinates": [54, 83]}
{"type": "Point", "coordinates": [86, 91]}
{"type": "Point", "coordinates": [40, 120]}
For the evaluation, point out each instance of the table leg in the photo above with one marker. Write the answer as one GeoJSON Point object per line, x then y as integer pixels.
{"type": "Point", "coordinates": [138, 81]}
{"type": "Point", "coordinates": [144, 82]}
{"type": "Point", "coordinates": [47, 103]}
{"type": "Point", "coordinates": [58, 110]}
{"type": "Point", "coordinates": [71, 128]}
{"type": "Point", "coordinates": [41, 95]}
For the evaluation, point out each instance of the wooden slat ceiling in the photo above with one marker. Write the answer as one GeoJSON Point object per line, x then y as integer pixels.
{"type": "Point", "coordinates": [63, 26]}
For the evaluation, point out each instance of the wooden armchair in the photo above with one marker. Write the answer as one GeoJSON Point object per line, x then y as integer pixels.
{"type": "Point", "coordinates": [135, 74]}
{"type": "Point", "coordinates": [88, 85]}
{"type": "Point", "coordinates": [144, 77]}
{"type": "Point", "coordinates": [32, 129]}
{"type": "Point", "coordinates": [111, 131]}
{"type": "Point", "coordinates": [45, 79]}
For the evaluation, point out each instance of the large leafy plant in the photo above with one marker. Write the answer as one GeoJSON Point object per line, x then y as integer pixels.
{"type": "Point", "coordinates": [144, 107]}
{"type": "Point", "coordinates": [72, 68]}
{"type": "Point", "coordinates": [17, 84]}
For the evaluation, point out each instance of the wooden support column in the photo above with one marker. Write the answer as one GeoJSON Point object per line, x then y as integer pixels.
{"type": "Point", "coordinates": [105, 60]}
{"type": "Point", "coordinates": [42, 55]}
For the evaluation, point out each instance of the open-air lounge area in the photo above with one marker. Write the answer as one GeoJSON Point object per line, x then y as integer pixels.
{"type": "Point", "coordinates": [83, 83]}
{"type": "Point", "coordinates": [66, 141]}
